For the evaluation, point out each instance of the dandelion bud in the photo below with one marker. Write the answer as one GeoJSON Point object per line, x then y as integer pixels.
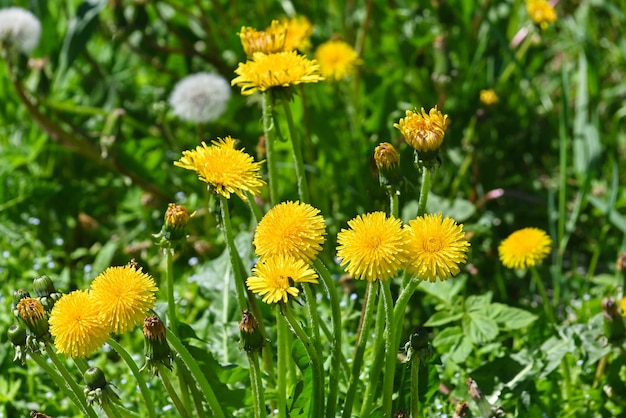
{"type": "Point", "coordinates": [31, 311]}
{"type": "Point", "coordinates": [46, 292]}
{"type": "Point", "coordinates": [269, 41]}
{"type": "Point", "coordinates": [388, 163]}
{"type": "Point", "coordinates": [98, 390]}
{"type": "Point", "coordinates": [613, 323]}
{"type": "Point", "coordinates": [424, 132]}
{"type": "Point", "coordinates": [17, 336]}
{"type": "Point", "coordinates": [401, 413]}
{"type": "Point", "coordinates": [157, 350]}
{"type": "Point", "coordinates": [176, 219]}
{"type": "Point", "coordinates": [419, 345]}
{"type": "Point", "coordinates": [251, 337]}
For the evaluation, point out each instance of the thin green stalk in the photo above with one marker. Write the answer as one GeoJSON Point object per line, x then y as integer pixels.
{"type": "Point", "coordinates": [254, 207]}
{"type": "Point", "coordinates": [400, 307]}
{"type": "Point", "coordinates": [232, 254]}
{"type": "Point", "coordinates": [282, 362]}
{"type": "Point", "coordinates": [425, 188]}
{"type": "Point", "coordinates": [269, 129]}
{"type": "Point", "coordinates": [313, 317]}
{"type": "Point", "coordinates": [163, 375]}
{"type": "Point", "coordinates": [361, 341]}
{"type": "Point", "coordinates": [110, 410]}
{"type": "Point", "coordinates": [64, 381]}
{"type": "Point", "coordinates": [337, 355]}
{"type": "Point", "coordinates": [303, 188]}
{"type": "Point", "coordinates": [81, 364]}
{"type": "Point", "coordinates": [547, 304]}
{"type": "Point", "coordinates": [197, 374]}
{"type": "Point", "coordinates": [257, 385]}
{"type": "Point", "coordinates": [391, 351]}
{"type": "Point", "coordinates": [184, 376]}
{"type": "Point", "coordinates": [415, 401]}
{"type": "Point", "coordinates": [171, 303]}
{"type": "Point", "coordinates": [393, 202]}
{"type": "Point", "coordinates": [145, 393]}
{"type": "Point", "coordinates": [317, 401]}
{"type": "Point", "coordinates": [377, 365]}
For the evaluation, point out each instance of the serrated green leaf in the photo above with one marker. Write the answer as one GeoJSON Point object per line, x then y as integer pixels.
{"type": "Point", "coordinates": [478, 302]}
{"type": "Point", "coordinates": [510, 317]}
{"type": "Point", "coordinates": [442, 318]}
{"type": "Point", "coordinates": [554, 349]}
{"type": "Point", "coordinates": [461, 351]}
{"type": "Point", "coordinates": [446, 290]}
{"type": "Point", "coordinates": [448, 337]}
{"type": "Point", "coordinates": [479, 328]}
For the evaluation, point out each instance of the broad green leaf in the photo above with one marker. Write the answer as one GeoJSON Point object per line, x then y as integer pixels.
{"type": "Point", "coordinates": [458, 209]}
{"type": "Point", "coordinates": [442, 318]}
{"type": "Point", "coordinates": [478, 302]}
{"type": "Point", "coordinates": [510, 317]}
{"type": "Point", "coordinates": [554, 349]}
{"type": "Point", "coordinates": [461, 351]}
{"type": "Point", "coordinates": [446, 290]}
{"type": "Point", "coordinates": [448, 337]}
{"type": "Point", "coordinates": [299, 355]}
{"type": "Point", "coordinates": [479, 328]}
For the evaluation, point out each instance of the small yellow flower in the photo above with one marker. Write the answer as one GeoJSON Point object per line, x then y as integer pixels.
{"type": "Point", "coordinates": [123, 295]}
{"type": "Point", "coordinates": [292, 228]}
{"type": "Point", "coordinates": [226, 169]}
{"type": "Point", "coordinates": [423, 132]}
{"type": "Point", "coordinates": [270, 41]}
{"type": "Point", "coordinates": [541, 12]}
{"type": "Point", "coordinates": [77, 325]}
{"type": "Point", "coordinates": [30, 310]}
{"type": "Point", "coordinates": [273, 277]}
{"type": "Point", "coordinates": [524, 248]}
{"type": "Point", "coordinates": [436, 247]}
{"type": "Point", "coordinates": [299, 29]}
{"type": "Point", "coordinates": [488, 97]}
{"type": "Point", "coordinates": [373, 247]}
{"type": "Point", "coordinates": [623, 305]}
{"type": "Point", "coordinates": [386, 156]}
{"type": "Point", "coordinates": [176, 216]}
{"type": "Point", "coordinates": [283, 69]}
{"type": "Point", "coordinates": [337, 60]}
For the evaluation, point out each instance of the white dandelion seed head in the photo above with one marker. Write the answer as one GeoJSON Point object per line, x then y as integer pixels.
{"type": "Point", "coordinates": [200, 97]}
{"type": "Point", "coordinates": [19, 27]}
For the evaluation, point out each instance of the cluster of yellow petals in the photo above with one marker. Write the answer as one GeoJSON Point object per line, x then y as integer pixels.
{"type": "Point", "coordinates": [423, 131]}
{"type": "Point", "coordinates": [525, 248]}
{"type": "Point", "coordinates": [337, 59]}
{"type": "Point", "coordinates": [541, 12]}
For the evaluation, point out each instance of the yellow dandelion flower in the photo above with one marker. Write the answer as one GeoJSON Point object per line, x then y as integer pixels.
{"type": "Point", "coordinates": [299, 30]}
{"type": "Point", "coordinates": [292, 228]}
{"type": "Point", "coordinates": [524, 248]}
{"type": "Point", "coordinates": [488, 97]}
{"type": "Point", "coordinates": [274, 277]}
{"type": "Point", "coordinates": [337, 59]}
{"type": "Point", "coordinates": [423, 132]}
{"type": "Point", "coordinates": [123, 295]}
{"type": "Point", "coordinates": [373, 247]}
{"type": "Point", "coordinates": [541, 12]}
{"type": "Point", "coordinates": [77, 325]}
{"type": "Point", "coordinates": [270, 41]}
{"type": "Point", "coordinates": [30, 310]}
{"type": "Point", "coordinates": [386, 156]}
{"type": "Point", "coordinates": [283, 69]}
{"type": "Point", "coordinates": [436, 247]}
{"type": "Point", "coordinates": [226, 169]}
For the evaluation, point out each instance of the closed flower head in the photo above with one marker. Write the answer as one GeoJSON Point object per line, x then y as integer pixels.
{"type": "Point", "coordinates": [436, 247]}
{"type": "Point", "coordinates": [423, 131]}
{"type": "Point", "coordinates": [373, 247]}
{"type": "Point", "coordinates": [227, 170]}
{"type": "Point", "coordinates": [275, 277]}
{"type": "Point", "coordinates": [524, 248]}
{"type": "Point", "coordinates": [77, 325]}
{"type": "Point", "coordinates": [270, 41]}
{"type": "Point", "coordinates": [293, 228]}
{"type": "Point", "coordinates": [19, 28]}
{"type": "Point", "coordinates": [541, 12]}
{"type": "Point", "coordinates": [337, 59]}
{"type": "Point", "coordinates": [123, 295]}
{"type": "Point", "coordinates": [488, 97]}
{"type": "Point", "coordinates": [267, 71]}
{"type": "Point", "coordinates": [200, 97]}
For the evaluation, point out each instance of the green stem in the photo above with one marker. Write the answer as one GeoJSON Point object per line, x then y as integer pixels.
{"type": "Point", "coordinates": [303, 189]}
{"type": "Point", "coordinates": [232, 254]}
{"type": "Point", "coordinates": [171, 303]}
{"type": "Point", "coordinates": [145, 393]}
{"type": "Point", "coordinates": [197, 374]}
{"type": "Point", "coordinates": [254, 208]}
{"type": "Point", "coordinates": [81, 364]}
{"type": "Point", "coordinates": [547, 304]}
{"type": "Point", "coordinates": [400, 308]}
{"type": "Point", "coordinates": [415, 401]}
{"type": "Point", "coordinates": [269, 129]}
{"type": "Point", "coordinates": [184, 376]}
{"type": "Point", "coordinates": [391, 351]}
{"type": "Point", "coordinates": [313, 316]}
{"type": "Point", "coordinates": [257, 385]}
{"type": "Point", "coordinates": [377, 365]}
{"type": "Point", "coordinates": [393, 202]}
{"type": "Point", "coordinates": [361, 341]}
{"type": "Point", "coordinates": [425, 188]}
{"type": "Point", "coordinates": [317, 403]}
{"type": "Point", "coordinates": [180, 407]}
{"type": "Point", "coordinates": [64, 381]}
{"type": "Point", "coordinates": [333, 384]}
{"type": "Point", "coordinates": [110, 410]}
{"type": "Point", "coordinates": [282, 362]}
